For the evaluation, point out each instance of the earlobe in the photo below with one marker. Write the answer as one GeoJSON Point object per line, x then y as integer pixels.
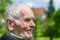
{"type": "Point", "coordinates": [10, 28]}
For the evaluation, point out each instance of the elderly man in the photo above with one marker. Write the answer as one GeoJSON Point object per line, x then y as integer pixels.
{"type": "Point", "coordinates": [19, 22]}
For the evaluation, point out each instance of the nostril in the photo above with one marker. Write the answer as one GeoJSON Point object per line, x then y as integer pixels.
{"type": "Point", "coordinates": [32, 25]}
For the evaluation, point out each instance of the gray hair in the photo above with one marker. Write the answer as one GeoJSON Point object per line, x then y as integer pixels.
{"type": "Point", "coordinates": [13, 12]}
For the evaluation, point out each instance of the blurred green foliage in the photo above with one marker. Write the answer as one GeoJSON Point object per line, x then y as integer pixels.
{"type": "Point", "coordinates": [50, 9]}
{"type": "Point", "coordinates": [53, 25]}
{"type": "Point", "coordinates": [56, 19]}
{"type": "Point", "coordinates": [42, 31]}
{"type": "Point", "coordinates": [3, 5]}
{"type": "Point", "coordinates": [50, 28]}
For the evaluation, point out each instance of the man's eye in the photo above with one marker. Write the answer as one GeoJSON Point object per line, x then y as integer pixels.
{"type": "Point", "coordinates": [27, 20]}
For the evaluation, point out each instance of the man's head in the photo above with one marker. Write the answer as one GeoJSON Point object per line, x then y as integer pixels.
{"type": "Point", "coordinates": [19, 19]}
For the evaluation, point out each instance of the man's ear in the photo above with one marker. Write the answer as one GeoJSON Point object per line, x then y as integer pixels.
{"type": "Point", "coordinates": [10, 24]}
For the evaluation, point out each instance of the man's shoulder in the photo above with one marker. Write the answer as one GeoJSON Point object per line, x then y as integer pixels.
{"type": "Point", "coordinates": [10, 36]}
{"type": "Point", "coordinates": [6, 37]}
{"type": "Point", "coordinates": [0, 38]}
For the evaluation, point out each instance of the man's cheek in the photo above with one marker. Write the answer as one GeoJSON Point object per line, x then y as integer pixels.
{"type": "Point", "coordinates": [25, 25]}
{"type": "Point", "coordinates": [22, 24]}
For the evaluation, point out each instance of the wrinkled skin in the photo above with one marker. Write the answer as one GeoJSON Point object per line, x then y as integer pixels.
{"type": "Point", "coordinates": [26, 23]}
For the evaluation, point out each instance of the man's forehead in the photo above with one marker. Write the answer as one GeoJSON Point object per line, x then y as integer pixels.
{"type": "Point", "coordinates": [28, 15]}
{"type": "Point", "coordinates": [27, 12]}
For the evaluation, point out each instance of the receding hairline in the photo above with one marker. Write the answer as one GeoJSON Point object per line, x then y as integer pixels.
{"type": "Point", "coordinates": [19, 5]}
{"type": "Point", "coordinates": [12, 7]}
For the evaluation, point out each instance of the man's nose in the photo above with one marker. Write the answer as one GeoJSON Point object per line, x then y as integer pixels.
{"type": "Point", "coordinates": [32, 23]}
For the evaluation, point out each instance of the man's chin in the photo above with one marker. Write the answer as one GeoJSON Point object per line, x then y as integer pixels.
{"type": "Point", "coordinates": [28, 35]}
